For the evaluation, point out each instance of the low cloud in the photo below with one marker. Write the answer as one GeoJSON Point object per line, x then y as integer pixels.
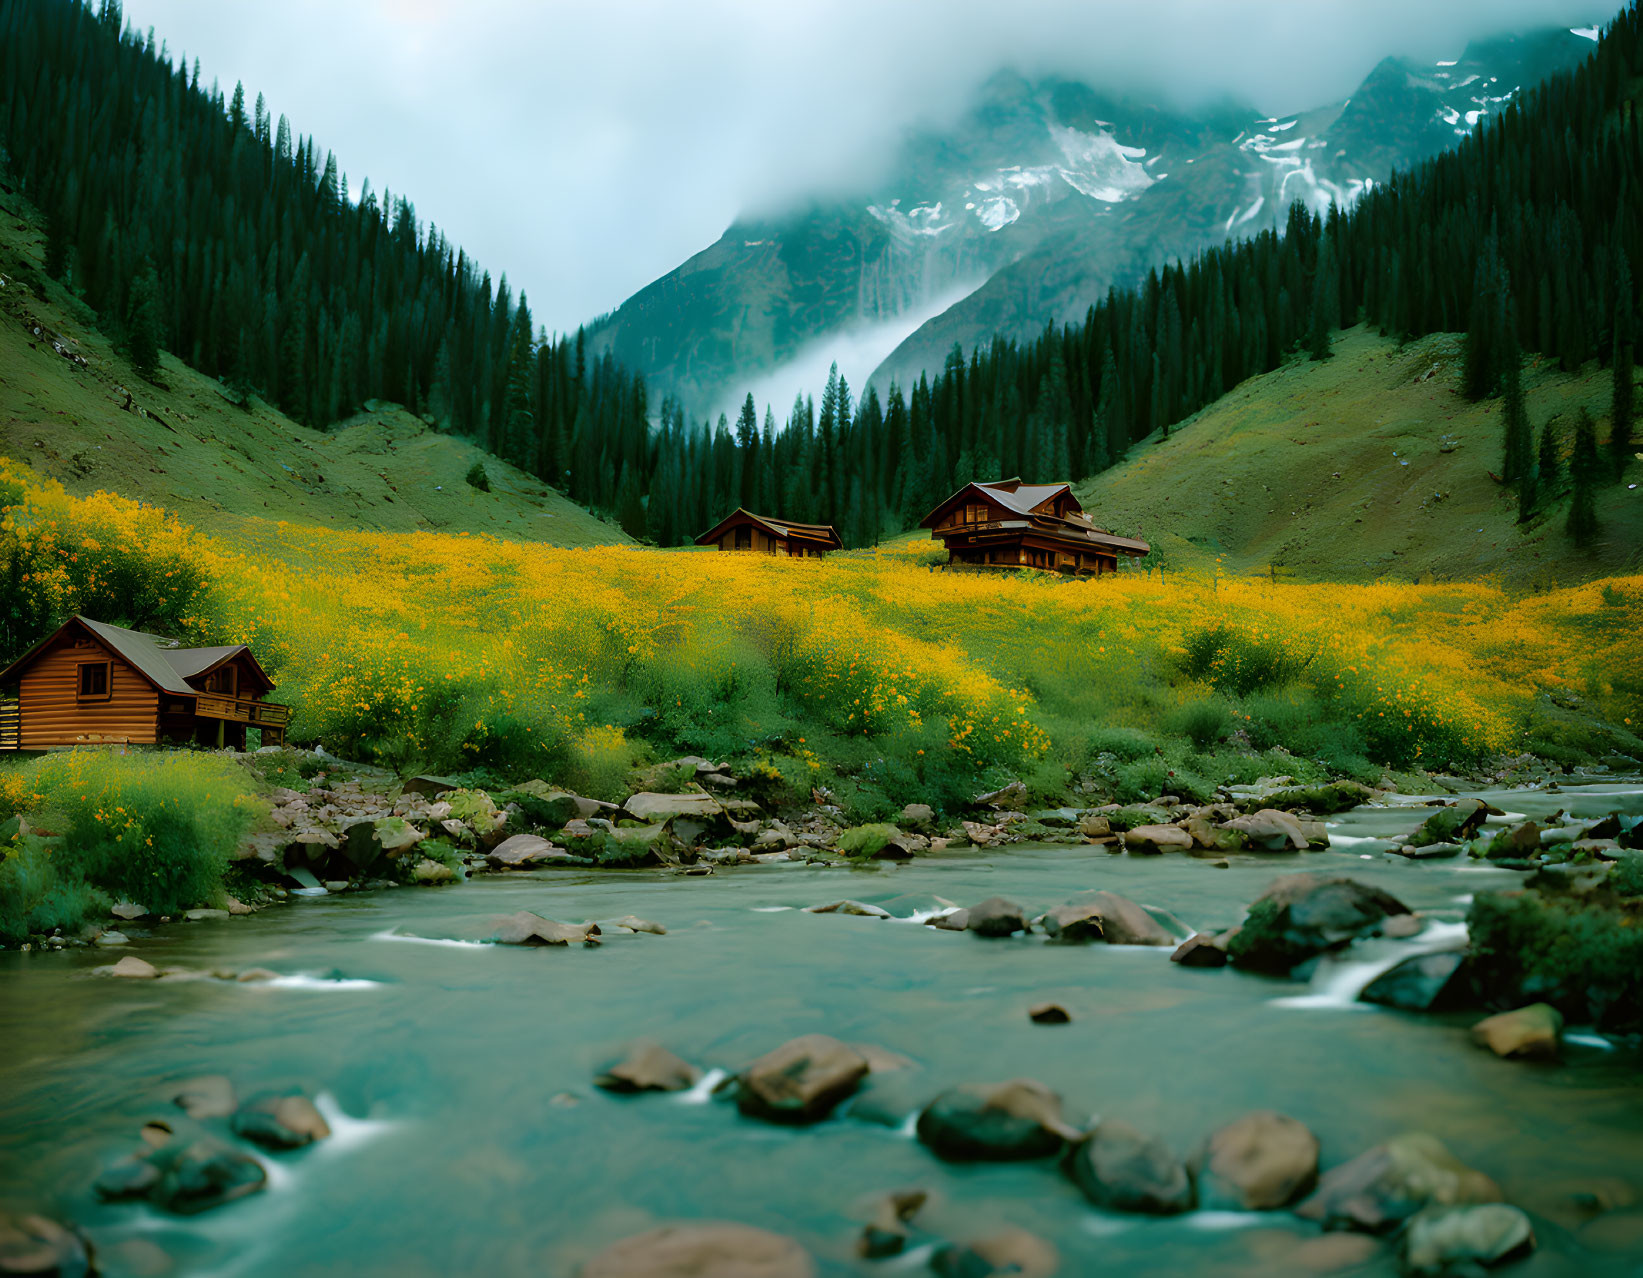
{"type": "Point", "coordinates": [587, 149]}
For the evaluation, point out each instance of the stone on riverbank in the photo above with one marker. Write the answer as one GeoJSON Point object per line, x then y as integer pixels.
{"type": "Point", "coordinates": [1529, 1033]}
{"type": "Point", "coordinates": [1302, 915]}
{"type": "Point", "coordinates": [1269, 830]}
{"type": "Point", "coordinates": [1259, 1162]}
{"type": "Point", "coordinates": [1153, 840]}
{"type": "Point", "coordinates": [525, 852]}
{"type": "Point", "coordinates": [1120, 1169]}
{"type": "Point", "coordinates": [1446, 1240]}
{"type": "Point", "coordinates": [648, 1067]}
{"type": "Point", "coordinates": [996, 1122]}
{"type": "Point", "coordinates": [801, 1081]}
{"type": "Point", "coordinates": [698, 1250]}
{"type": "Point", "coordinates": [1382, 1187]}
{"type": "Point", "coordinates": [37, 1247]}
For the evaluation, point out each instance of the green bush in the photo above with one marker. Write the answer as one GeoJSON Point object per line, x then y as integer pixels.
{"type": "Point", "coordinates": [1586, 959]}
{"type": "Point", "coordinates": [477, 478]}
{"type": "Point", "coordinates": [1240, 662]}
{"type": "Point", "coordinates": [866, 841]}
{"type": "Point", "coordinates": [1203, 722]}
{"type": "Point", "coordinates": [159, 829]}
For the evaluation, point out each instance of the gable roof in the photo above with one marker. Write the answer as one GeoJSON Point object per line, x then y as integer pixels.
{"type": "Point", "coordinates": [164, 665]}
{"type": "Point", "coordinates": [775, 526]}
{"type": "Point", "coordinates": [1012, 494]}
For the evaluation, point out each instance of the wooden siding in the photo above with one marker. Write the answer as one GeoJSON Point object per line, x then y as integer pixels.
{"type": "Point", "coordinates": [48, 696]}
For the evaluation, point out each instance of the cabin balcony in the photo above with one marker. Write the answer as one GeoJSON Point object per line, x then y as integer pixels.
{"type": "Point", "coordinates": [256, 714]}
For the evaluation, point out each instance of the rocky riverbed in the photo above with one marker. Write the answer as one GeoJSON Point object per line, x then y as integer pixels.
{"type": "Point", "coordinates": [455, 1111]}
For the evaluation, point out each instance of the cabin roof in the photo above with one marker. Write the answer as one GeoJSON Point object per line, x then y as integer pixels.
{"type": "Point", "coordinates": [1012, 494]}
{"type": "Point", "coordinates": [158, 660]}
{"type": "Point", "coordinates": [1020, 499]}
{"type": "Point", "coordinates": [775, 525]}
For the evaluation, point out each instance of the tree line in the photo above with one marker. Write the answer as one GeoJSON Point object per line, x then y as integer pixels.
{"type": "Point", "coordinates": [192, 222]}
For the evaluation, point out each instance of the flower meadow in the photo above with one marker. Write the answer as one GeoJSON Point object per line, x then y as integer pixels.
{"type": "Point", "coordinates": [867, 673]}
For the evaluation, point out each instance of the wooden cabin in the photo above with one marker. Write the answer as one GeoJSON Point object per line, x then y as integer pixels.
{"type": "Point", "coordinates": [766, 535]}
{"type": "Point", "coordinates": [91, 684]}
{"type": "Point", "coordinates": [1009, 524]}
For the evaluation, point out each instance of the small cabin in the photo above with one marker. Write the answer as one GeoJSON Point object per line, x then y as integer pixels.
{"type": "Point", "coordinates": [1009, 524]}
{"type": "Point", "coordinates": [767, 535]}
{"type": "Point", "coordinates": [92, 684]}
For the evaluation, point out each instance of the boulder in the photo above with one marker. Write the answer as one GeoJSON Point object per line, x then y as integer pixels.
{"type": "Point", "coordinates": [1430, 851]}
{"type": "Point", "coordinates": [1201, 950]}
{"type": "Point", "coordinates": [1209, 834]}
{"type": "Point", "coordinates": [526, 928]}
{"type": "Point", "coordinates": [525, 852]}
{"type": "Point", "coordinates": [1015, 1252]}
{"type": "Point", "coordinates": [1515, 843]}
{"type": "Point", "coordinates": [1325, 800]}
{"type": "Point", "coordinates": [1048, 1014]}
{"type": "Point", "coordinates": [1073, 924]}
{"type": "Point", "coordinates": [701, 1249]}
{"type": "Point", "coordinates": [1011, 798]}
{"type": "Point", "coordinates": [36, 1247]}
{"type": "Point", "coordinates": [885, 1233]}
{"type": "Point", "coordinates": [1436, 982]}
{"type": "Point", "coordinates": [431, 873]}
{"type": "Point", "coordinates": [665, 807]}
{"type": "Point", "coordinates": [428, 786]}
{"type": "Point", "coordinates": [917, 816]}
{"type": "Point", "coordinates": [1453, 823]}
{"type": "Point", "coordinates": [1259, 1162]}
{"type": "Point", "coordinates": [1384, 1186]}
{"type": "Point", "coordinates": [1303, 915]}
{"type": "Point", "coordinates": [185, 1176]}
{"type": "Point", "coordinates": [848, 907]}
{"type": "Point", "coordinates": [1530, 1033]}
{"type": "Point", "coordinates": [211, 1096]}
{"type": "Point", "coordinates": [1446, 1240]}
{"type": "Point", "coordinates": [648, 1067]}
{"type": "Point", "coordinates": [1120, 1169]}
{"type": "Point", "coordinates": [280, 1121]}
{"type": "Point", "coordinates": [995, 1122]}
{"type": "Point", "coordinates": [633, 923]}
{"type": "Point", "coordinates": [801, 1081]}
{"type": "Point", "coordinates": [951, 921]}
{"type": "Point", "coordinates": [1094, 825]}
{"type": "Point", "coordinates": [1123, 922]}
{"type": "Point", "coordinates": [1155, 839]}
{"type": "Point", "coordinates": [133, 968]}
{"type": "Point", "coordinates": [1269, 830]}
{"type": "Point", "coordinates": [996, 917]}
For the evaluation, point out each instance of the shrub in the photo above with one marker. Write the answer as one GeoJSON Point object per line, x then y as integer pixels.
{"type": "Point", "coordinates": [866, 841]}
{"type": "Point", "coordinates": [477, 478]}
{"type": "Point", "coordinates": [1203, 722]}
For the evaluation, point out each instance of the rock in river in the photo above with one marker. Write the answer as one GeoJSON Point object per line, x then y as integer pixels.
{"type": "Point", "coordinates": [1015, 1251]}
{"type": "Point", "coordinates": [801, 1081]}
{"type": "Point", "coordinates": [1384, 1186]}
{"type": "Point", "coordinates": [995, 1122]}
{"type": "Point", "coordinates": [707, 1249]}
{"type": "Point", "coordinates": [1121, 1169]}
{"type": "Point", "coordinates": [211, 1096]}
{"type": "Point", "coordinates": [996, 917]}
{"type": "Point", "coordinates": [35, 1247]}
{"type": "Point", "coordinates": [525, 928]}
{"type": "Point", "coordinates": [1531, 1033]}
{"type": "Point", "coordinates": [1259, 1162]}
{"type": "Point", "coordinates": [1269, 830]}
{"type": "Point", "coordinates": [1446, 1240]}
{"type": "Point", "coordinates": [132, 967]}
{"type": "Point", "coordinates": [1303, 915]}
{"type": "Point", "coordinates": [1425, 983]}
{"type": "Point", "coordinates": [279, 1120]}
{"type": "Point", "coordinates": [1201, 950]}
{"type": "Point", "coordinates": [648, 1067]}
{"type": "Point", "coordinates": [185, 1176]}
{"type": "Point", "coordinates": [1048, 1014]}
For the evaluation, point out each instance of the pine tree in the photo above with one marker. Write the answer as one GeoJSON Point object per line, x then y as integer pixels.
{"type": "Point", "coordinates": [1518, 440]}
{"type": "Point", "coordinates": [1486, 334]}
{"type": "Point", "coordinates": [144, 326]}
{"type": "Point", "coordinates": [1583, 468]}
{"type": "Point", "coordinates": [1326, 302]}
{"type": "Point", "coordinates": [1549, 463]}
{"type": "Point", "coordinates": [1621, 414]}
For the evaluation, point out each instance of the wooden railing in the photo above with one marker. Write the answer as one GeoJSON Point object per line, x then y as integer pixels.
{"type": "Point", "coordinates": [11, 725]}
{"type": "Point", "coordinates": [258, 714]}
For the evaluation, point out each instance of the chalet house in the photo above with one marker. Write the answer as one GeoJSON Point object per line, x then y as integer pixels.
{"type": "Point", "coordinates": [768, 535]}
{"type": "Point", "coordinates": [1009, 524]}
{"type": "Point", "coordinates": [91, 684]}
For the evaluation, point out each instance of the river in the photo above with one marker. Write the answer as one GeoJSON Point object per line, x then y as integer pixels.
{"type": "Point", "coordinates": [468, 1137]}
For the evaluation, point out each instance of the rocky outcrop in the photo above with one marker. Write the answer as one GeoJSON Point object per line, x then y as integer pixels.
{"type": "Point", "coordinates": [1259, 1162]}
{"type": "Point", "coordinates": [1120, 1169]}
{"type": "Point", "coordinates": [1384, 1186]}
{"type": "Point", "coordinates": [996, 1122]}
{"type": "Point", "coordinates": [801, 1081]}
{"type": "Point", "coordinates": [700, 1249]}
{"type": "Point", "coordinates": [1303, 915]}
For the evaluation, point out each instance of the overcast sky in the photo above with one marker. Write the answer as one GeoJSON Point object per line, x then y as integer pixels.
{"type": "Point", "coordinates": [587, 148]}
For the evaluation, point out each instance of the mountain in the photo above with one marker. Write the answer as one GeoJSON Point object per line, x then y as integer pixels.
{"type": "Point", "coordinates": [1044, 196]}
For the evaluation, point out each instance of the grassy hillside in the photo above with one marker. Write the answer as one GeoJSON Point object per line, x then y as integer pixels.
{"type": "Point", "coordinates": [1368, 465]}
{"type": "Point", "coordinates": [93, 424]}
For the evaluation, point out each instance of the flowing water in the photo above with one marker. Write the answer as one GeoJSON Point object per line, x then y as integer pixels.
{"type": "Point", "coordinates": [468, 1137]}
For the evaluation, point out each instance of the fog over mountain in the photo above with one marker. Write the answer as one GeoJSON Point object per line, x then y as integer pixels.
{"type": "Point", "coordinates": [587, 150]}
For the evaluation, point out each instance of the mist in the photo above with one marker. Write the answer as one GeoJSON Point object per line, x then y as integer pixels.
{"type": "Point", "coordinates": [585, 150]}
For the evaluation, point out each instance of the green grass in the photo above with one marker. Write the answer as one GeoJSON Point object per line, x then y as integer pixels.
{"type": "Point", "coordinates": [1303, 468]}
{"type": "Point", "coordinates": [186, 446]}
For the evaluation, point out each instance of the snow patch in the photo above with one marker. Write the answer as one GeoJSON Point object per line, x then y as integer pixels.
{"type": "Point", "coordinates": [1585, 33]}
{"type": "Point", "coordinates": [1282, 128]}
{"type": "Point", "coordinates": [1449, 64]}
{"type": "Point", "coordinates": [1100, 166]}
{"type": "Point", "coordinates": [998, 212]}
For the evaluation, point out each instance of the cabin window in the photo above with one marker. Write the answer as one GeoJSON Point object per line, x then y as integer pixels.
{"type": "Point", "coordinates": [94, 681]}
{"type": "Point", "coordinates": [223, 680]}
{"type": "Point", "coordinates": [744, 537]}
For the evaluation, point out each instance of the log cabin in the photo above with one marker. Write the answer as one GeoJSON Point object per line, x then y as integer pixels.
{"type": "Point", "coordinates": [768, 535]}
{"type": "Point", "coordinates": [93, 684]}
{"type": "Point", "coordinates": [1009, 524]}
